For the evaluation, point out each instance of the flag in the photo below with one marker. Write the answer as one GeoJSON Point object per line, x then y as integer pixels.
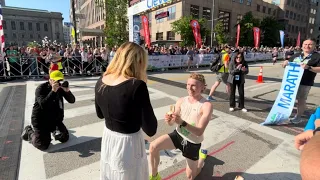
{"type": "Point", "coordinates": [196, 32]}
{"type": "Point", "coordinates": [282, 38]}
{"type": "Point", "coordinates": [298, 40]}
{"type": "Point", "coordinates": [1, 32]}
{"type": "Point", "coordinates": [238, 35]}
{"type": "Point", "coordinates": [145, 24]}
{"type": "Point", "coordinates": [256, 35]}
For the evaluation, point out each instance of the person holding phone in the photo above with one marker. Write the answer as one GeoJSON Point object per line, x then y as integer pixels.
{"type": "Point", "coordinates": [48, 112]}
{"type": "Point", "coordinates": [238, 69]}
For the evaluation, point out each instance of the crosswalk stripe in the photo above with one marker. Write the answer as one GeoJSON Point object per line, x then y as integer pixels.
{"type": "Point", "coordinates": [265, 86]}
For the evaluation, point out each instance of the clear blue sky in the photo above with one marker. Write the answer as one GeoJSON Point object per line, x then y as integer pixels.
{"type": "Point", "coordinates": [62, 6]}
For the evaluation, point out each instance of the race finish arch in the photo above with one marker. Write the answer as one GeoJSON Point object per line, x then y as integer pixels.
{"type": "Point", "coordinates": [134, 17]}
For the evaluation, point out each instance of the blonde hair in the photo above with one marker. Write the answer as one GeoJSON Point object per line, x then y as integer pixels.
{"type": "Point", "coordinates": [198, 77]}
{"type": "Point", "coordinates": [130, 61]}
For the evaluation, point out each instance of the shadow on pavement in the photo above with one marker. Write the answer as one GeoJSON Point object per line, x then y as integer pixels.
{"type": "Point", "coordinates": [267, 176]}
{"type": "Point", "coordinates": [208, 168]}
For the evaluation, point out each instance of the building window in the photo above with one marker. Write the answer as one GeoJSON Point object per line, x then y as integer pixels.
{"type": "Point", "coordinates": [249, 2]}
{"type": "Point", "coordinates": [171, 35]}
{"type": "Point", "coordinates": [39, 36]}
{"type": "Point", "coordinates": [264, 9]}
{"type": "Point", "coordinates": [294, 16]}
{"type": "Point", "coordinates": [291, 15]}
{"type": "Point", "coordinates": [288, 2]}
{"type": "Point", "coordinates": [13, 25]}
{"type": "Point", "coordinates": [258, 7]}
{"type": "Point", "coordinates": [269, 10]}
{"type": "Point", "coordinates": [194, 11]}
{"type": "Point", "coordinates": [241, 1]}
{"type": "Point", "coordinates": [239, 18]}
{"type": "Point", "coordinates": [30, 26]}
{"type": "Point", "coordinates": [172, 12]}
{"type": "Point", "coordinates": [14, 35]}
{"type": "Point", "coordinates": [31, 36]}
{"type": "Point", "coordinates": [58, 35]}
{"type": "Point", "coordinates": [159, 20]}
{"type": "Point", "coordinates": [206, 13]}
{"type": "Point", "coordinates": [45, 27]}
{"type": "Point", "coordinates": [22, 26]}
{"type": "Point", "coordinates": [4, 24]}
{"type": "Point", "coordinates": [159, 36]}
{"type": "Point", "coordinates": [311, 31]}
{"type": "Point", "coordinates": [38, 26]}
{"type": "Point", "coordinates": [225, 19]}
{"type": "Point", "coordinates": [287, 14]}
{"type": "Point", "coordinates": [298, 17]}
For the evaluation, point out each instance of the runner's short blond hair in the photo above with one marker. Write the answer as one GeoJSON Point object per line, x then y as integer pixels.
{"type": "Point", "coordinates": [198, 77]}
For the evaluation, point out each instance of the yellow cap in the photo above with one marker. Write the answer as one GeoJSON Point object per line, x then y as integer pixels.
{"type": "Point", "coordinates": [56, 75]}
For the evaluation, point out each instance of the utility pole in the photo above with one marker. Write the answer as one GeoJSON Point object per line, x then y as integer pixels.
{"type": "Point", "coordinates": [212, 16]}
{"type": "Point", "coordinates": [74, 21]}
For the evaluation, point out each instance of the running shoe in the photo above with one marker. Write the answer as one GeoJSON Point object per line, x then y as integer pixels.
{"type": "Point", "coordinates": [209, 98]}
{"type": "Point", "coordinates": [295, 120]}
{"type": "Point", "coordinates": [157, 177]}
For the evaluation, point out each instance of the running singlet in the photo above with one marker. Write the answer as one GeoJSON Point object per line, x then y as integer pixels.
{"type": "Point", "coordinates": [191, 113]}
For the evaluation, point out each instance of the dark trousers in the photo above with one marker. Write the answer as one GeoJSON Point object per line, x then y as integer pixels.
{"type": "Point", "coordinates": [233, 95]}
{"type": "Point", "coordinates": [41, 138]}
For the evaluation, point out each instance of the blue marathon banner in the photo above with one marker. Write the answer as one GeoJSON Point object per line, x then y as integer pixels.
{"type": "Point", "coordinates": [283, 106]}
{"type": "Point", "coordinates": [136, 29]}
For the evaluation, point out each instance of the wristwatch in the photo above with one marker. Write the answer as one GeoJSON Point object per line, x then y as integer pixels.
{"type": "Point", "coordinates": [184, 124]}
{"type": "Point", "coordinates": [316, 130]}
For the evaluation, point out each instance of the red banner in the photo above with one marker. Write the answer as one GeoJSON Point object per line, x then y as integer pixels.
{"type": "Point", "coordinates": [256, 36]}
{"type": "Point", "coordinates": [145, 24]}
{"type": "Point", "coordinates": [298, 40]}
{"type": "Point", "coordinates": [196, 32]}
{"type": "Point", "coordinates": [238, 36]}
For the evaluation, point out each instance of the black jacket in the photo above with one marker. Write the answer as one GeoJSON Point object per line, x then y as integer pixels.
{"type": "Point", "coordinates": [48, 109]}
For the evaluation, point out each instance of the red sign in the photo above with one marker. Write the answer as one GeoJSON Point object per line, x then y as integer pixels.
{"type": "Point", "coordinates": [256, 36]}
{"type": "Point", "coordinates": [131, 2]}
{"type": "Point", "coordinates": [162, 15]}
{"type": "Point", "coordinates": [238, 35]}
{"type": "Point", "coordinates": [145, 24]}
{"type": "Point", "coordinates": [196, 32]}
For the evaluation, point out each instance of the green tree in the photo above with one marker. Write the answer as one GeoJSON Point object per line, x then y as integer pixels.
{"type": "Point", "coordinates": [116, 21]}
{"type": "Point", "coordinates": [270, 31]}
{"type": "Point", "coordinates": [182, 27]}
{"type": "Point", "coordinates": [221, 35]}
{"type": "Point", "coordinates": [246, 32]}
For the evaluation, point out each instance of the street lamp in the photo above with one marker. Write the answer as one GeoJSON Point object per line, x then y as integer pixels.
{"type": "Point", "coordinates": [212, 15]}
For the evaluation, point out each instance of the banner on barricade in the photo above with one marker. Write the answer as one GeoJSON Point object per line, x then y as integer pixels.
{"type": "Point", "coordinates": [283, 106]}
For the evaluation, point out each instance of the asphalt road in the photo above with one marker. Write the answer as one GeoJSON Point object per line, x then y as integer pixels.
{"type": "Point", "coordinates": [236, 142]}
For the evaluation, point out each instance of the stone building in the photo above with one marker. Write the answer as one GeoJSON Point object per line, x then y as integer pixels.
{"type": "Point", "coordinates": [22, 25]}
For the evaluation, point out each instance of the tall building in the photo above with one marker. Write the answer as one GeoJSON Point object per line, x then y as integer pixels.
{"type": "Point", "coordinates": [67, 33]}
{"type": "Point", "coordinates": [22, 25]}
{"type": "Point", "coordinates": [297, 16]}
{"type": "Point", "coordinates": [3, 2]}
{"type": "Point", "coordinates": [228, 11]}
{"type": "Point", "coordinates": [90, 22]}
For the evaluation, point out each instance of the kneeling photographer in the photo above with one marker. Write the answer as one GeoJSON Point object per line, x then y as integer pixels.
{"type": "Point", "coordinates": [48, 112]}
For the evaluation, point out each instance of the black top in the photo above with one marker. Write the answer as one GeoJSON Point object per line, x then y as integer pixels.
{"type": "Point", "coordinates": [48, 109]}
{"type": "Point", "coordinates": [126, 107]}
{"type": "Point", "coordinates": [308, 76]}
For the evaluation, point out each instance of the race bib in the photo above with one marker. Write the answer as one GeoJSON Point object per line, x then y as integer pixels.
{"type": "Point", "coordinates": [237, 77]}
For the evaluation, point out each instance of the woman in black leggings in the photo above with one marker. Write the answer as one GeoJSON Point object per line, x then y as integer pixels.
{"type": "Point", "coordinates": [238, 68]}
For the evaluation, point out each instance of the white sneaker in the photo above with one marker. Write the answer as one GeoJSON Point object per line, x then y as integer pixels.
{"type": "Point", "coordinates": [231, 109]}
{"type": "Point", "coordinates": [244, 110]}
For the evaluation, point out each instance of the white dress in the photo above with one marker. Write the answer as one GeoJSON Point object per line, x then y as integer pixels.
{"type": "Point", "coordinates": [123, 156]}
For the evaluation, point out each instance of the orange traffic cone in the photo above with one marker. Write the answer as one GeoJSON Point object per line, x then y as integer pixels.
{"type": "Point", "coordinates": [260, 76]}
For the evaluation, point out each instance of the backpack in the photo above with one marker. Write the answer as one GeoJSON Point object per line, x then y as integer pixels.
{"type": "Point", "coordinates": [216, 64]}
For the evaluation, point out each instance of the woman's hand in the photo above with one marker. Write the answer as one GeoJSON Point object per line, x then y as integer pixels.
{"type": "Point", "coordinates": [243, 68]}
